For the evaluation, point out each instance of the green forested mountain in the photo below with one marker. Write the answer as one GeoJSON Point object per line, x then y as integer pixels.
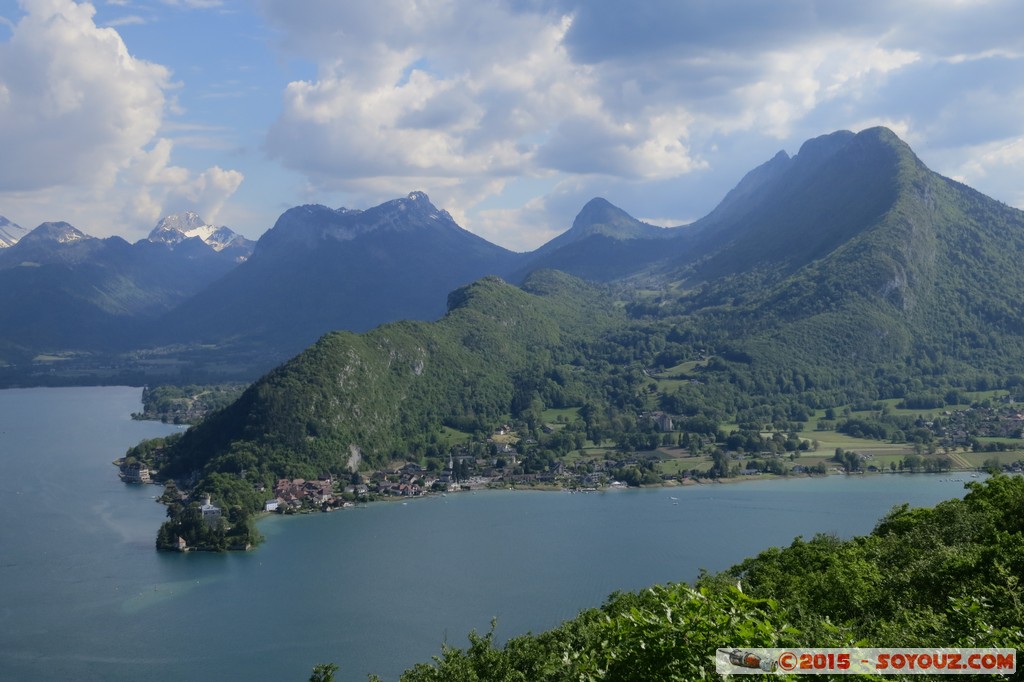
{"type": "Point", "coordinates": [354, 398]}
{"type": "Point", "coordinates": [866, 259]}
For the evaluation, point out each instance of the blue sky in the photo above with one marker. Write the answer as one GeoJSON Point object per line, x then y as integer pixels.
{"type": "Point", "coordinates": [510, 115]}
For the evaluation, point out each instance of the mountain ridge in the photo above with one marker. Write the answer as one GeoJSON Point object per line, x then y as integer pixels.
{"type": "Point", "coordinates": [64, 291]}
{"type": "Point", "coordinates": [320, 269]}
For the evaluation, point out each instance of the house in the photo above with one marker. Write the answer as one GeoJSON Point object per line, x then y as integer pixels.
{"type": "Point", "coordinates": [136, 472]}
{"type": "Point", "coordinates": [272, 505]}
{"type": "Point", "coordinates": [662, 421]}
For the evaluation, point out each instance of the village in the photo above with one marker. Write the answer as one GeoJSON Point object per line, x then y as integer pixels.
{"type": "Point", "coordinates": [411, 480]}
{"type": "Point", "coordinates": [505, 461]}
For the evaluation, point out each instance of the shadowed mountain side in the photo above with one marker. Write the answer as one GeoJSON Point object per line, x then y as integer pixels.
{"type": "Point", "coordinates": [320, 269]}
{"type": "Point", "coordinates": [63, 290]}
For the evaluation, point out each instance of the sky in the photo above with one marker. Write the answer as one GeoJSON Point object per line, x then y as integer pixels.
{"type": "Point", "coordinates": [509, 114]}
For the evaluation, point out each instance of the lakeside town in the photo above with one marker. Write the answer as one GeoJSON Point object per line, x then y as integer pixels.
{"type": "Point", "coordinates": [948, 441]}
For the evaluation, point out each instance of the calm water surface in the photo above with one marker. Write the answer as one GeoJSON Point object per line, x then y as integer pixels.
{"type": "Point", "coordinates": [84, 596]}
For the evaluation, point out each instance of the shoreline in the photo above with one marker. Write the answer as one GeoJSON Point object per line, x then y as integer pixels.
{"type": "Point", "coordinates": [687, 483]}
{"type": "Point", "coordinates": [956, 475]}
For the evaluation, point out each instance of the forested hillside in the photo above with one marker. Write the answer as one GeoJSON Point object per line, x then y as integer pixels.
{"type": "Point", "coordinates": [362, 399]}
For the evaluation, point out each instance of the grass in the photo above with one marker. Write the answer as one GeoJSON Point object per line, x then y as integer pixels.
{"type": "Point", "coordinates": [669, 385]}
{"type": "Point", "coordinates": [568, 415]}
{"type": "Point", "coordinates": [452, 436]}
{"type": "Point", "coordinates": [978, 458]}
{"type": "Point", "coordinates": [830, 440]}
{"type": "Point", "coordinates": [683, 369]}
{"type": "Point", "coordinates": [675, 465]}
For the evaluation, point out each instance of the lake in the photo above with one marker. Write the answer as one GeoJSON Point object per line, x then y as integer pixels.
{"type": "Point", "coordinates": [84, 596]}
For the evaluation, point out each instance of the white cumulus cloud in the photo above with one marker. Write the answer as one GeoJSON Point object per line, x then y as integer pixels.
{"type": "Point", "coordinates": [455, 95]}
{"type": "Point", "coordinates": [81, 122]}
{"type": "Point", "coordinates": [77, 107]}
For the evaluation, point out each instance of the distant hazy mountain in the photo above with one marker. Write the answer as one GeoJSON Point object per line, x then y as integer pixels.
{"type": "Point", "coordinates": [10, 232]}
{"type": "Point", "coordinates": [604, 243]}
{"type": "Point", "coordinates": [320, 269]}
{"type": "Point", "coordinates": [61, 289]}
{"type": "Point", "coordinates": [598, 217]}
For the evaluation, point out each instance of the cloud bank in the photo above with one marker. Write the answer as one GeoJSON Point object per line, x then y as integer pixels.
{"type": "Point", "coordinates": [509, 113]}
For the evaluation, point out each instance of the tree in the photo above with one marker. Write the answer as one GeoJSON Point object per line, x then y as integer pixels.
{"type": "Point", "coordinates": [992, 465]}
{"type": "Point", "coordinates": [324, 672]}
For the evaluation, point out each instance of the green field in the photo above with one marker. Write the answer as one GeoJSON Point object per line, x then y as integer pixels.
{"type": "Point", "coordinates": [828, 441]}
{"type": "Point", "coordinates": [683, 369]}
{"type": "Point", "coordinates": [450, 436]}
{"type": "Point", "coordinates": [978, 458]}
{"type": "Point", "coordinates": [560, 416]}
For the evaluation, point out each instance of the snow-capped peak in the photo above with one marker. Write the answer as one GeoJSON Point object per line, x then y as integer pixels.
{"type": "Point", "coordinates": [178, 227]}
{"type": "Point", "coordinates": [10, 232]}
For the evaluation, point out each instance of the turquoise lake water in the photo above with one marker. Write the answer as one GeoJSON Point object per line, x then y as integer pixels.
{"type": "Point", "coordinates": [84, 596]}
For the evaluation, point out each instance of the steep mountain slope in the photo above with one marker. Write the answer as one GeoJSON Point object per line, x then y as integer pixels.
{"type": "Point", "coordinates": [789, 212]}
{"type": "Point", "coordinates": [365, 396]}
{"type": "Point", "coordinates": [320, 269]}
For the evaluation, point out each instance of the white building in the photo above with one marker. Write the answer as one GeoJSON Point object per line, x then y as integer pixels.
{"type": "Point", "coordinates": [211, 513]}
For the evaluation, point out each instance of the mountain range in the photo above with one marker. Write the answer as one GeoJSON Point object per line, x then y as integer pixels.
{"type": "Point", "coordinates": [849, 249]}
{"type": "Point", "coordinates": [65, 292]}
{"type": "Point", "coordinates": [319, 269]}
